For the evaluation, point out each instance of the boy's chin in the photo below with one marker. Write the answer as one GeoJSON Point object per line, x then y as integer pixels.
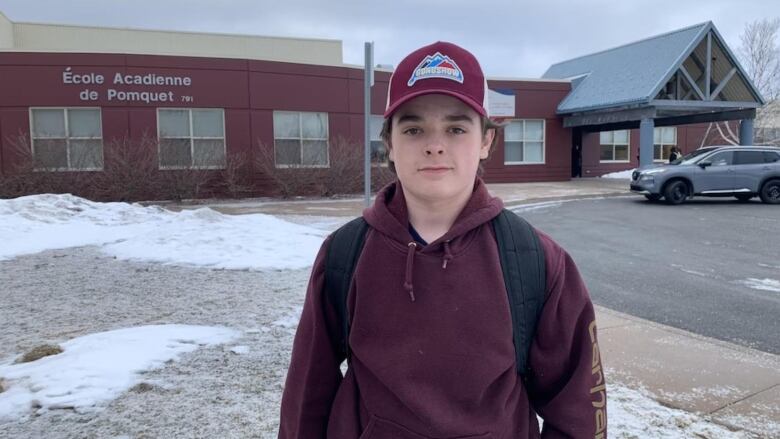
{"type": "Point", "coordinates": [435, 190]}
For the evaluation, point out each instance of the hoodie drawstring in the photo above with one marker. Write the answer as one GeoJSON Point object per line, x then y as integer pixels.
{"type": "Point", "coordinates": [409, 267]}
{"type": "Point", "coordinates": [447, 254]}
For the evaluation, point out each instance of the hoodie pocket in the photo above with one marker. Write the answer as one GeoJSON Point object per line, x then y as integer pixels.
{"type": "Point", "coordinates": [379, 428]}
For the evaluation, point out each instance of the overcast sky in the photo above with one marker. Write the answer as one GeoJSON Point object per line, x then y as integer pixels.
{"type": "Point", "coordinates": [511, 38]}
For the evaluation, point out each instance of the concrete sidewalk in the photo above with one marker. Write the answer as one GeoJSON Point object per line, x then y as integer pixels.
{"type": "Point", "coordinates": [732, 385]}
{"type": "Point", "coordinates": [513, 194]}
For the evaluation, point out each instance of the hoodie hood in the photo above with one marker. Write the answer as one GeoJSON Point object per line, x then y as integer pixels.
{"type": "Point", "coordinates": [389, 214]}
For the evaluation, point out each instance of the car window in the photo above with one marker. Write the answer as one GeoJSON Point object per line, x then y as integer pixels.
{"type": "Point", "coordinates": [720, 158]}
{"type": "Point", "coordinates": [748, 157]}
{"type": "Point", "coordinates": [694, 155]}
{"type": "Point", "coordinates": [771, 157]}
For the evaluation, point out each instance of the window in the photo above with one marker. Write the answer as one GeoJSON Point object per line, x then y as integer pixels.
{"type": "Point", "coordinates": [524, 142]}
{"type": "Point", "coordinates": [720, 159]}
{"type": "Point", "coordinates": [664, 138]}
{"type": "Point", "coordinates": [67, 139]}
{"type": "Point", "coordinates": [378, 150]}
{"type": "Point", "coordinates": [771, 157]}
{"type": "Point", "coordinates": [191, 138]}
{"type": "Point", "coordinates": [614, 146]}
{"type": "Point", "coordinates": [748, 157]}
{"type": "Point", "coordinates": [300, 139]}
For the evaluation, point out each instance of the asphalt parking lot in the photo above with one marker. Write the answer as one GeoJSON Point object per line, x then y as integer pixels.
{"type": "Point", "coordinates": [709, 266]}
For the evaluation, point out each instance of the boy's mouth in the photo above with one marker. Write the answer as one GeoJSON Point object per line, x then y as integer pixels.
{"type": "Point", "coordinates": [435, 169]}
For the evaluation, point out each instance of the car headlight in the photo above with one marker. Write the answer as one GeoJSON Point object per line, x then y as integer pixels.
{"type": "Point", "coordinates": [646, 178]}
{"type": "Point", "coordinates": [654, 171]}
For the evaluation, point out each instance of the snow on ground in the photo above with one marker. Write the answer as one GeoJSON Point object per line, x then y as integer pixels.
{"type": "Point", "coordinates": [94, 369]}
{"type": "Point", "coordinates": [761, 284]}
{"type": "Point", "coordinates": [620, 175]}
{"type": "Point", "coordinates": [201, 237]}
{"type": "Point", "coordinates": [634, 414]}
{"type": "Point", "coordinates": [72, 296]}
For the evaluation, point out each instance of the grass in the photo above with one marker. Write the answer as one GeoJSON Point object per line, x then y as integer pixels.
{"type": "Point", "coordinates": [39, 352]}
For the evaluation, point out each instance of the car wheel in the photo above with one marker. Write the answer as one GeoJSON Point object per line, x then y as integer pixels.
{"type": "Point", "coordinates": [743, 198]}
{"type": "Point", "coordinates": [770, 192]}
{"type": "Point", "coordinates": [676, 192]}
{"type": "Point", "coordinates": [653, 197]}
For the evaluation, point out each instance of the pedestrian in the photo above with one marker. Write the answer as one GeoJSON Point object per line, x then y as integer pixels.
{"type": "Point", "coordinates": [432, 345]}
{"type": "Point", "coordinates": [674, 154]}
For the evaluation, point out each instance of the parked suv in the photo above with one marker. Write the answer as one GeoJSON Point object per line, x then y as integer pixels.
{"type": "Point", "coordinates": [717, 171]}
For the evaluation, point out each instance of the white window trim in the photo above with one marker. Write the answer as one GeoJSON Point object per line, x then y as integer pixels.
{"type": "Point", "coordinates": [662, 160]}
{"type": "Point", "coordinates": [544, 143]}
{"type": "Point", "coordinates": [301, 139]}
{"type": "Point", "coordinates": [613, 144]}
{"type": "Point", "coordinates": [67, 138]}
{"type": "Point", "coordinates": [192, 139]}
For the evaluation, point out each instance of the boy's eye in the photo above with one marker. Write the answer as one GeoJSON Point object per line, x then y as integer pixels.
{"type": "Point", "coordinates": [457, 130]}
{"type": "Point", "coordinates": [412, 131]}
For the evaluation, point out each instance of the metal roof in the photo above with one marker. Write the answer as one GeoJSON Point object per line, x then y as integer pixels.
{"type": "Point", "coordinates": [634, 74]}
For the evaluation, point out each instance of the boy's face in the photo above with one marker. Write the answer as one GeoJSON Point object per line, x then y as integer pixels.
{"type": "Point", "coordinates": [436, 143]}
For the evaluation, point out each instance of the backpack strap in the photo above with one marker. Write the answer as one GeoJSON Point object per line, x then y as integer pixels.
{"type": "Point", "coordinates": [343, 252]}
{"type": "Point", "coordinates": [523, 266]}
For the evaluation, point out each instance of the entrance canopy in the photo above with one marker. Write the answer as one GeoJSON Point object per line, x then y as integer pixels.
{"type": "Point", "coordinates": [681, 77]}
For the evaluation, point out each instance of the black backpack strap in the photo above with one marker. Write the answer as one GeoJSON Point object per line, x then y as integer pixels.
{"type": "Point", "coordinates": [343, 253]}
{"type": "Point", "coordinates": [523, 266]}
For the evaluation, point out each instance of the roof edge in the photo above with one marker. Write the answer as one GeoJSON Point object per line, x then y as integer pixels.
{"type": "Point", "coordinates": [630, 44]}
{"type": "Point", "coordinates": [730, 54]}
{"type": "Point", "coordinates": [180, 32]}
{"type": "Point", "coordinates": [614, 105]}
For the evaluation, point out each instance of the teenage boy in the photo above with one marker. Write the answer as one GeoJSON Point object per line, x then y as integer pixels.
{"type": "Point", "coordinates": [431, 342]}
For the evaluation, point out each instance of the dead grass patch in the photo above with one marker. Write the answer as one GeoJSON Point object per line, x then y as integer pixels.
{"type": "Point", "coordinates": [142, 387]}
{"type": "Point", "coordinates": [39, 352]}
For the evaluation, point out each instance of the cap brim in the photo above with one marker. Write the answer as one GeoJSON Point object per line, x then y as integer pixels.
{"type": "Point", "coordinates": [465, 99]}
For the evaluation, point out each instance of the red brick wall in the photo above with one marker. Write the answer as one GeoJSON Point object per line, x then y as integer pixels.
{"type": "Point", "coordinates": [535, 100]}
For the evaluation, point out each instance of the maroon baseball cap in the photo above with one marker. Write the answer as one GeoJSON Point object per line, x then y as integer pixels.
{"type": "Point", "coordinates": [443, 68]}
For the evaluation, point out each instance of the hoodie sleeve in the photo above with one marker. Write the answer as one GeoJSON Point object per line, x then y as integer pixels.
{"type": "Point", "coordinates": [566, 385]}
{"type": "Point", "coordinates": [314, 374]}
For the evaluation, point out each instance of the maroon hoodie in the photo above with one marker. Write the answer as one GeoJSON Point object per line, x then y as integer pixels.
{"type": "Point", "coordinates": [431, 342]}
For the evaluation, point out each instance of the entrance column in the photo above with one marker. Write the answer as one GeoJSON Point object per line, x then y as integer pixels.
{"type": "Point", "coordinates": [746, 132]}
{"type": "Point", "coordinates": [646, 128]}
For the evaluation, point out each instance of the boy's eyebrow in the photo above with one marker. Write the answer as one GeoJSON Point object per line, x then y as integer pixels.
{"type": "Point", "coordinates": [409, 118]}
{"type": "Point", "coordinates": [458, 118]}
{"type": "Point", "coordinates": [449, 118]}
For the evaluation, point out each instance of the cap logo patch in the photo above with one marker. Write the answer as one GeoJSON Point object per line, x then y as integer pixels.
{"type": "Point", "coordinates": [436, 66]}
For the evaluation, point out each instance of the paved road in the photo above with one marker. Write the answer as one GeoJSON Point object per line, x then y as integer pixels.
{"type": "Point", "coordinates": [687, 266]}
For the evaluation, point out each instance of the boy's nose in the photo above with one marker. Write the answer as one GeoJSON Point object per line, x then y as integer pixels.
{"type": "Point", "coordinates": [435, 146]}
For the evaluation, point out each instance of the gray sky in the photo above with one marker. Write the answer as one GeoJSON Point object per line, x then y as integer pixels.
{"type": "Point", "coordinates": [511, 38]}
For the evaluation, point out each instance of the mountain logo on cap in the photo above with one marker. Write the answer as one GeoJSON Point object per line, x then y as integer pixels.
{"type": "Point", "coordinates": [436, 66]}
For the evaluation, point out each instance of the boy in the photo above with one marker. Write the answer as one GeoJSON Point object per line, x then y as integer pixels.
{"type": "Point", "coordinates": [431, 351]}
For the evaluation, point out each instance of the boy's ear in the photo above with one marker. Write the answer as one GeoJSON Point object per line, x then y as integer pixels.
{"type": "Point", "coordinates": [487, 142]}
{"type": "Point", "coordinates": [389, 149]}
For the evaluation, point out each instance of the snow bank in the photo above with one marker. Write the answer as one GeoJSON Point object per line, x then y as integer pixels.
{"type": "Point", "coordinates": [625, 175]}
{"type": "Point", "coordinates": [201, 237]}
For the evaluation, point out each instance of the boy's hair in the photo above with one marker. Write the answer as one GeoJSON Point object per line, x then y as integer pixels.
{"type": "Point", "coordinates": [485, 122]}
